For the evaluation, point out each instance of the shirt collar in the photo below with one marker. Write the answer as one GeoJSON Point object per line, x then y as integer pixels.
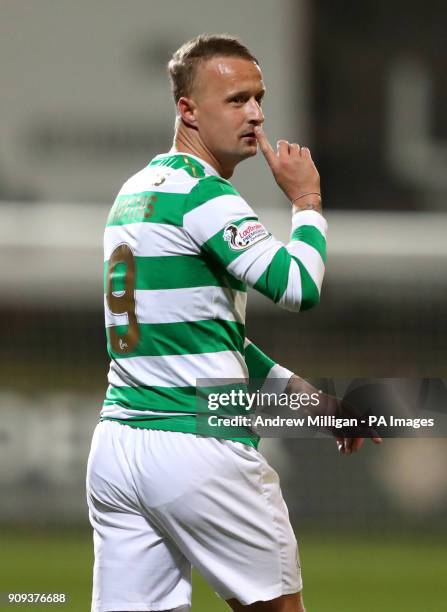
{"type": "Point", "coordinates": [207, 166]}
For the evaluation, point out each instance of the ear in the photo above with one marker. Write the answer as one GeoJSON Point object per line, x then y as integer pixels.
{"type": "Point", "coordinates": [186, 109]}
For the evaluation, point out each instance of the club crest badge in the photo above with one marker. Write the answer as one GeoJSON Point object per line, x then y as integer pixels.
{"type": "Point", "coordinates": [245, 235]}
{"type": "Point", "coordinates": [160, 177]}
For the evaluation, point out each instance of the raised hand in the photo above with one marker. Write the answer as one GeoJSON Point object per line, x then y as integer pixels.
{"type": "Point", "coordinates": [294, 171]}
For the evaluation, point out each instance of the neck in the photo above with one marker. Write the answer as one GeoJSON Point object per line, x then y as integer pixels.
{"type": "Point", "coordinates": [187, 140]}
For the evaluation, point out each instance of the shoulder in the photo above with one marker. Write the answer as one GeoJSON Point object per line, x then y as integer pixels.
{"type": "Point", "coordinates": [212, 205]}
{"type": "Point", "coordinates": [209, 188]}
{"type": "Point", "coordinates": [160, 178]}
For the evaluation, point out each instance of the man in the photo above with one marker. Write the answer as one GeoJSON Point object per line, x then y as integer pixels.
{"type": "Point", "coordinates": [181, 246]}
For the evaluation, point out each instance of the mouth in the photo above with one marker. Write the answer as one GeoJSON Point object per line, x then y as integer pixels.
{"type": "Point", "coordinates": [250, 135]}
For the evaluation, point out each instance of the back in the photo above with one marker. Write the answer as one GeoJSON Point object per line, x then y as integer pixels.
{"type": "Point", "coordinates": [172, 315]}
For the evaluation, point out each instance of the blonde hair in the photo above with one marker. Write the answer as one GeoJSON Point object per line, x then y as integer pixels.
{"type": "Point", "coordinates": [182, 67]}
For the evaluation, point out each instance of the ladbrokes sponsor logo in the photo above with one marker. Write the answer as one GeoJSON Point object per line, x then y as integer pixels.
{"type": "Point", "coordinates": [245, 235]}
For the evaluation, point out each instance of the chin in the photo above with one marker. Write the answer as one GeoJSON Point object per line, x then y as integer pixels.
{"type": "Point", "coordinates": [233, 158]}
{"type": "Point", "coordinates": [249, 151]}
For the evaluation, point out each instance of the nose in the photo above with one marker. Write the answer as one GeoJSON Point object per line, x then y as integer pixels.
{"type": "Point", "coordinates": [256, 116]}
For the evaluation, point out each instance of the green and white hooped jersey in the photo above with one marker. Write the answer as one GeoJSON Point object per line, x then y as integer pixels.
{"type": "Point", "coordinates": [180, 247]}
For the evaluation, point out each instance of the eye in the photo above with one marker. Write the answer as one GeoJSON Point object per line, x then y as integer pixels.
{"type": "Point", "coordinates": [238, 99]}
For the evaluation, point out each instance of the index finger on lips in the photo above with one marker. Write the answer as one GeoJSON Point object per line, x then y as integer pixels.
{"type": "Point", "coordinates": [265, 146]}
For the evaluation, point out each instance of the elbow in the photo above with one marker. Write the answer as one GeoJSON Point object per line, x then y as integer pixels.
{"type": "Point", "coordinates": [310, 300]}
{"type": "Point", "coordinates": [291, 302]}
{"type": "Point", "coordinates": [291, 306]}
{"type": "Point", "coordinates": [297, 303]}
{"type": "Point", "coordinates": [305, 286]}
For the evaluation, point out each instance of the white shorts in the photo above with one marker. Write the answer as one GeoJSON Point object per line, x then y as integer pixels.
{"type": "Point", "coordinates": [162, 501]}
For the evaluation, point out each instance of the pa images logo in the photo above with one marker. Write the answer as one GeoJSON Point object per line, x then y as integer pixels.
{"type": "Point", "coordinates": [244, 235]}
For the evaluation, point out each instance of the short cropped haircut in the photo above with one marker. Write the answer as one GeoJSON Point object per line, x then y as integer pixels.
{"type": "Point", "coordinates": [182, 67]}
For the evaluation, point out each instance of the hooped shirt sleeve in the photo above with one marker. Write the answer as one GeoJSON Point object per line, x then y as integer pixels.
{"type": "Point", "coordinates": [226, 228]}
{"type": "Point", "coordinates": [263, 371]}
